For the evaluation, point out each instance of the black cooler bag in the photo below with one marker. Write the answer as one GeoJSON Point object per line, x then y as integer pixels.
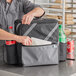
{"type": "Point", "coordinates": [46, 29]}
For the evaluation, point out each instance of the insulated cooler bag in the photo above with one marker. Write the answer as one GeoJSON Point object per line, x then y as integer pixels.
{"type": "Point", "coordinates": [45, 29]}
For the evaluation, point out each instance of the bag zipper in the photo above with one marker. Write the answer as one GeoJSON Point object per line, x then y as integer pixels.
{"type": "Point", "coordinates": [40, 45]}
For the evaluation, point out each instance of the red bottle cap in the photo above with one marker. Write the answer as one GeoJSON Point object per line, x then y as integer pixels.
{"type": "Point", "coordinates": [10, 27]}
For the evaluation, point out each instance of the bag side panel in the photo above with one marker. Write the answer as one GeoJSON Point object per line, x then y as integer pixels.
{"type": "Point", "coordinates": [42, 55]}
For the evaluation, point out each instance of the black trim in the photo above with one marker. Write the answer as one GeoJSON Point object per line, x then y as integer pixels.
{"type": "Point", "coordinates": [40, 16]}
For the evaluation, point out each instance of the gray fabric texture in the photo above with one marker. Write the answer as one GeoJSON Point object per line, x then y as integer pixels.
{"type": "Point", "coordinates": [40, 55]}
{"type": "Point", "coordinates": [62, 51]}
{"type": "Point", "coordinates": [10, 12]}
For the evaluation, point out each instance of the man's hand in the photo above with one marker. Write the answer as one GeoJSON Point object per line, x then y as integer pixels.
{"type": "Point", "coordinates": [36, 12]}
{"type": "Point", "coordinates": [25, 40]}
{"type": "Point", "coordinates": [27, 18]}
{"type": "Point", "coordinates": [9, 1]}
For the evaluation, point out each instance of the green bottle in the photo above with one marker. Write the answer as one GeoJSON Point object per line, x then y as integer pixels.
{"type": "Point", "coordinates": [62, 36]}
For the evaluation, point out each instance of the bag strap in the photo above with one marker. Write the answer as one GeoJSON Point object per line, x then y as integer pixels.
{"type": "Point", "coordinates": [47, 37]}
{"type": "Point", "coordinates": [30, 29]}
{"type": "Point", "coordinates": [50, 34]}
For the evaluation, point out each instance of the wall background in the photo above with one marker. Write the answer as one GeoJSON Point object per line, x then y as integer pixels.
{"type": "Point", "coordinates": [42, 1]}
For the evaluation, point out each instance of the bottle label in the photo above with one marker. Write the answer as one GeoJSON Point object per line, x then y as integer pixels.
{"type": "Point", "coordinates": [10, 42]}
{"type": "Point", "coordinates": [62, 36]}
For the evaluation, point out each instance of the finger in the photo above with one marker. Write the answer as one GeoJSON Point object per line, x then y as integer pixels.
{"type": "Point", "coordinates": [26, 19]}
{"type": "Point", "coordinates": [30, 42]}
{"type": "Point", "coordinates": [23, 20]}
{"type": "Point", "coordinates": [29, 39]}
{"type": "Point", "coordinates": [29, 20]}
{"type": "Point", "coordinates": [26, 43]}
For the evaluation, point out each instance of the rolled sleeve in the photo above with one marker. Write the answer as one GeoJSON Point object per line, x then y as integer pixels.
{"type": "Point", "coordinates": [28, 6]}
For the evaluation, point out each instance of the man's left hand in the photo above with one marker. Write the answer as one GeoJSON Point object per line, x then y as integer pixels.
{"type": "Point", "coordinates": [27, 18]}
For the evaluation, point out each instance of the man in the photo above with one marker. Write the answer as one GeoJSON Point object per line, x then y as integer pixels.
{"type": "Point", "coordinates": [10, 10]}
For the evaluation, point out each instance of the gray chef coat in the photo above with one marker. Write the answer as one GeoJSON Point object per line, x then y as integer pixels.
{"type": "Point", "coordinates": [10, 12]}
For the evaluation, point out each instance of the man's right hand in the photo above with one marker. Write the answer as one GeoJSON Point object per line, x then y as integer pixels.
{"type": "Point", "coordinates": [9, 1]}
{"type": "Point", "coordinates": [25, 40]}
